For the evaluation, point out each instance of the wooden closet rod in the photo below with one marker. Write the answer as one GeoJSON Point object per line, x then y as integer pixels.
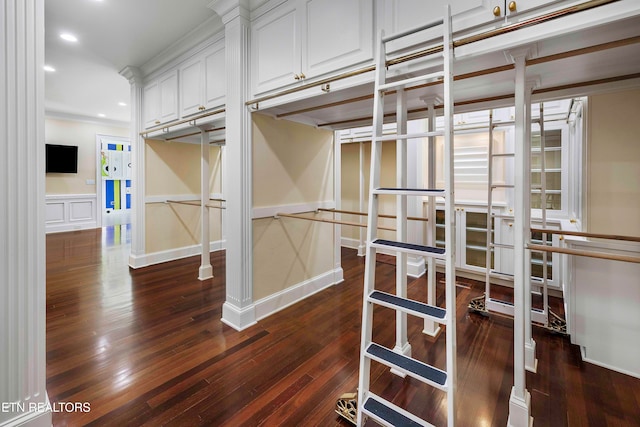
{"type": "Point", "coordinates": [330, 221]}
{"type": "Point", "coordinates": [179, 122]}
{"type": "Point", "coordinates": [193, 203]}
{"type": "Point", "coordinates": [586, 234]}
{"type": "Point", "coordinates": [601, 255]}
{"type": "Point", "coordinates": [414, 218]}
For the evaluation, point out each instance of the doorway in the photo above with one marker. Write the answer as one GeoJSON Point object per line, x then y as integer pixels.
{"type": "Point", "coordinates": [113, 179]}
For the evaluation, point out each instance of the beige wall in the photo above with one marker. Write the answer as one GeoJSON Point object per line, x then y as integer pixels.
{"type": "Point", "coordinates": [173, 169]}
{"type": "Point", "coordinates": [69, 132]}
{"type": "Point", "coordinates": [350, 185]}
{"type": "Point", "coordinates": [613, 163]}
{"type": "Point", "coordinates": [292, 164]}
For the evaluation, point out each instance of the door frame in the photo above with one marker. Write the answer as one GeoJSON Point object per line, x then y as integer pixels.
{"type": "Point", "coordinates": [99, 137]}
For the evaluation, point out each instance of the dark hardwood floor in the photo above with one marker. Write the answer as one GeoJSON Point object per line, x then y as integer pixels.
{"type": "Point", "coordinates": [147, 347]}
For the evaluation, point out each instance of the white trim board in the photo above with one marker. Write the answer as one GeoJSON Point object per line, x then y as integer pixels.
{"type": "Point", "coordinates": [172, 254]}
{"type": "Point", "coordinates": [267, 306]}
{"type": "Point", "coordinates": [271, 211]}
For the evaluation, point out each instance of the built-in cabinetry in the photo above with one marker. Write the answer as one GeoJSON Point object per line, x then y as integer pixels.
{"type": "Point", "coordinates": [471, 237]}
{"type": "Point", "coordinates": [193, 85]}
{"type": "Point", "coordinates": [303, 39]}
{"type": "Point", "coordinates": [160, 100]}
{"type": "Point", "coordinates": [202, 81]}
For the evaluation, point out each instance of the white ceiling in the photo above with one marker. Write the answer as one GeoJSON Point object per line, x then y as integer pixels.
{"type": "Point", "coordinates": [112, 34]}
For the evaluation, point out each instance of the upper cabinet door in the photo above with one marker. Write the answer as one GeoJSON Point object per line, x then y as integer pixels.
{"type": "Point", "coordinates": [275, 49]}
{"type": "Point", "coordinates": [335, 34]}
{"type": "Point", "coordinates": [150, 104]}
{"type": "Point", "coordinates": [191, 87]}
{"type": "Point", "coordinates": [215, 77]}
{"type": "Point", "coordinates": [168, 96]}
{"type": "Point", "coordinates": [400, 15]}
{"type": "Point", "coordinates": [160, 100]}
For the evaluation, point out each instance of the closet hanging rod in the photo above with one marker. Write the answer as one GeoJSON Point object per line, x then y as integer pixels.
{"type": "Point", "coordinates": [495, 98]}
{"type": "Point", "coordinates": [456, 43]}
{"type": "Point", "coordinates": [586, 234]}
{"type": "Point", "coordinates": [600, 255]}
{"type": "Point", "coordinates": [590, 49]}
{"type": "Point", "coordinates": [193, 203]}
{"type": "Point", "coordinates": [145, 133]}
{"type": "Point", "coordinates": [329, 221]}
{"type": "Point", "coordinates": [413, 218]}
{"type": "Point", "coordinates": [195, 133]}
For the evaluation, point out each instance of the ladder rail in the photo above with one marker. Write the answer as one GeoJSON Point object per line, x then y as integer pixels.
{"type": "Point", "coordinates": [399, 359]}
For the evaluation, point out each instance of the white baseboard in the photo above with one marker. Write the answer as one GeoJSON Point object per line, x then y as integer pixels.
{"type": "Point", "coordinates": [145, 260]}
{"type": "Point", "coordinates": [30, 419]}
{"type": "Point", "coordinates": [280, 300]}
{"type": "Point", "coordinates": [583, 355]}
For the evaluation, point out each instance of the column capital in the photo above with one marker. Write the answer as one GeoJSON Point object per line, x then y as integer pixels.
{"type": "Point", "coordinates": [522, 53]}
{"type": "Point", "coordinates": [133, 74]}
{"type": "Point", "coordinates": [230, 9]}
{"type": "Point", "coordinates": [431, 100]}
{"type": "Point", "coordinates": [532, 82]}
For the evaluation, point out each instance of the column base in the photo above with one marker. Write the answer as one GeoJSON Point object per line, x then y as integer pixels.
{"type": "Point", "coordinates": [520, 410]}
{"type": "Point", "coordinates": [530, 361]}
{"type": "Point", "coordinates": [205, 272]}
{"type": "Point", "coordinates": [238, 318]}
{"type": "Point", "coordinates": [431, 328]}
{"type": "Point", "coordinates": [405, 350]}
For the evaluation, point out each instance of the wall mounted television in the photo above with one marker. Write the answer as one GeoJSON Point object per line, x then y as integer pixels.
{"type": "Point", "coordinates": [61, 158]}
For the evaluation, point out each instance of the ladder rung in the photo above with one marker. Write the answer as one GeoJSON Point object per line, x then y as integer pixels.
{"type": "Point", "coordinates": [502, 186]}
{"type": "Point", "coordinates": [500, 124]}
{"type": "Point", "coordinates": [389, 414]}
{"type": "Point", "coordinates": [409, 248]}
{"type": "Point", "coordinates": [502, 216]}
{"type": "Point", "coordinates": [408, 136]}
{"type": "Point", "coordinates": [410, 31]}
{"type": "Point", "coordinates": [412, 80]}
{"type": "Point", "coordinates": [503, 155]}
{"type": "Point", "coordinates": [410, 192]}
{"type": "Point", "coordinates": [496, 273]}
{"type": "Point", "coordinates": [415, 308]}
{"type": "Point", "coordinates": [418, 370]}
{"type": "Point", "coordinates": [501, 245]}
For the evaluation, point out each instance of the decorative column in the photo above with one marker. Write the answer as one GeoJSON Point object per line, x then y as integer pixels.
{"type": "Point", "coordinates": [530, 361]}
{"type": "Point", "coordinates": [402, 344]}
{"type": "Point", "coordinates": [206, 270]}
{"type": "Point", "coordinates": [23, 395]}
{"type": "Point", "coordinates": [137, 166]}
{"type": "Point", "coordinates": [238, 310]}
{"type": "Point", "coordinates": [431, 328]}
{"type": "Point", "coordinates": [520, 399]}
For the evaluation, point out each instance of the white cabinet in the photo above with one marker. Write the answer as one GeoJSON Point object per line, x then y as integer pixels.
{"type": "Point", "coordinates": [400, 15]}
{"type": "Point", "coordinates": [510, 8]}
{"type": "Point", "coordinates": [202, 82]}
{"type": "Point", "coordinates": [471, 237]}
{"type": "Point", "coordinates": [302, 39]}
{"type": "Point", "coordinates": [160, 100]}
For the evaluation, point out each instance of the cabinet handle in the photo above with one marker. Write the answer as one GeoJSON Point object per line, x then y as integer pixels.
{"type": "Point", "coordinates": [201, 108]}
{"type": "Point", "coordinates": [302, 76]}
{"type": "Point", "coordinates": [496, 11]}
{"type": "Point", "coordinates": [512, 6]}
{"type": "Point", "coordinates": [157, 122]}
{"type": "Point", "coordinates": [297, 77]}
{"type": "Point", "coordinates": [510, 224]}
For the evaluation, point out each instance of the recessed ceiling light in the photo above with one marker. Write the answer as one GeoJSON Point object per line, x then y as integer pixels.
{"type": "Point", "coordinates": [102, 115]}
{"type": "Point", "coordinates": [49, 68]}
{"type": "Point", "coordinates": [122, 104]}
{"type": "Point", "coordinates": [68, 37]}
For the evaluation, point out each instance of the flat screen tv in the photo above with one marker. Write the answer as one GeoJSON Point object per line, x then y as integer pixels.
{"type": "Point", "coordinates": [61, 158]}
